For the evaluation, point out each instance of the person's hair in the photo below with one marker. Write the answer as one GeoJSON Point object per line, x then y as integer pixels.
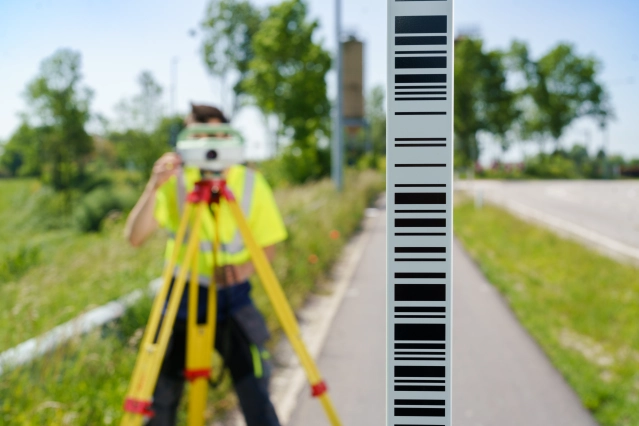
{"type": "Point", "coordinates": [204, 113]}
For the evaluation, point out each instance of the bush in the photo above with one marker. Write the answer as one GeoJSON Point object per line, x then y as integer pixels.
{"type": "Point", "coordinates": [296, 166]}
{"type": "Point", "coordinates": [92, 182]}
{"type": "Point", "coordinates": [47, 209]}
{"type": "Point", "coordinates": [15, 264]}
{"type": "Point", "coordinates": [85, 381]}
{"type": "Point", "coordinates": [94, 207]}
{"type": "Point", "coordinates": [501, 171]}
{"type": "Point", "coordinates": [551, 167]}
{"type": "Point", "coordinates": [367, 161]}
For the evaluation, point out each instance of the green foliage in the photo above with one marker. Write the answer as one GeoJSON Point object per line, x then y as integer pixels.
{"type": "Point", "coordinates": [376, 116]}
{"type": "Point", "coordinates": [47, 209]}
{"type": "Point", "coordinates": [60, 107]}
{"type": "Point", "coordinates": [14, 265]}
{"type": "Point", "coordinates": [95, 181]}
{"type": "Point", "coordinates": [143, 111]}
{"type": "Point", "coordinates": [296, 166]}
{"type": "Point", "coordinates": [142, 134]}
{"type": "Point", "coordinates": [560, 88]}
{"type": "Point", "coordinates": [303, 165]}
{"type": "Point", "coordinates": [21, 155]}
{"type": "Point", "coordinates": [554, 287]}
{"type": "Point", "coordinates": [133, 320]}
{"type": "Point", "coordinates": [501, 171]}
{"type": "Point", "coordinates": [367, 161]}
{"type": "Point", "coordinates": [551, 167]}
{"type": "Point", "coordinates": [85, 381]}
{"type": "Point", "coordinates": [482, 101]}
{"type": "Point", "coordinates": [575, 163]}
{"type": "Point", "coordinates": [94, 207]}
{"type": "Point", "coordinates": [138, 149]}
{"type": "Point", "coordinates": [229, 27]}
{"type": "Point", "coordinates": [549, 95]}
{"type": "Point", "coordinates": [287, 75]}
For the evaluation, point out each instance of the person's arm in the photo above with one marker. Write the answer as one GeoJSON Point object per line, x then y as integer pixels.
{"type": "Point", "coordinates": [140, 224]}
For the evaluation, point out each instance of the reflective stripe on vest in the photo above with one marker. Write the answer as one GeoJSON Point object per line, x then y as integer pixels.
{"type": "Point", "coordinates": [237, 245]}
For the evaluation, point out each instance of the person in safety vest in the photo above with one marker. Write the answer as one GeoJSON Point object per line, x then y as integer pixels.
{"type": "Point", "coordinates": [241, 330]}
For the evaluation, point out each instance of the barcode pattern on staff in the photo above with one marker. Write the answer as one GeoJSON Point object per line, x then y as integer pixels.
{"type": "Point", "coordinates": [419, 157]}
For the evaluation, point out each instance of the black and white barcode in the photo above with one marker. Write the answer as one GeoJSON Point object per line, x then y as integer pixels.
{"type": "Point", "coordinates": [419, 201]}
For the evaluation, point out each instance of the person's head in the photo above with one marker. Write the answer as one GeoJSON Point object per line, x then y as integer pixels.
{"type": "Point", "coordinates": [206, 114]}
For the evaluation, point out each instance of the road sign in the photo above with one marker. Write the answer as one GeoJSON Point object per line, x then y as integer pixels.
{"type": "Point", "coordinates": [419, 202]}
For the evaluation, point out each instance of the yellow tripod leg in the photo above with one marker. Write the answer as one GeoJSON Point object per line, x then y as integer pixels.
{"type": "Point", "coordinates": [199, 353]}
{"type": "Point", "coordinates": [151, 354]}
{"type": "Point", "coordinates": [284, 312]}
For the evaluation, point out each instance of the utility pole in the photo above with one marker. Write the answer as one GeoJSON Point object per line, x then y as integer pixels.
{"type": "Point", "coordinates": [337, 151]}
{"type": "Point", "coordinates": [174, 62]}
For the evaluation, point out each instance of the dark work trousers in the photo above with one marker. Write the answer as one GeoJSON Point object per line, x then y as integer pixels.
{"type": "Point", "coordinates": [231, 342]}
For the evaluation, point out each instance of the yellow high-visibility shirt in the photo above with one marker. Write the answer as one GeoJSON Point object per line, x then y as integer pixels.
{"type": "Point", "coordinates": [253, 195]}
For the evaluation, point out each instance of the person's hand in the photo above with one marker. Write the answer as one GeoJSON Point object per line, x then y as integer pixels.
{"type": "Point", "coordinates": [165, 167]}
{"type": "Point", "coordinates": [232, 274]}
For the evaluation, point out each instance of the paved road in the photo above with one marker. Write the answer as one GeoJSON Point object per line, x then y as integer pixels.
{"type": "Point", "coordinates": [606, 207]}
{"type": "Point", "coordinates": [500, 377]}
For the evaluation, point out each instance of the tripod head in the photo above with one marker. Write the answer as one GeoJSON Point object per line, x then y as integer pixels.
{"type": "Point", "coordinates": [210, 189]}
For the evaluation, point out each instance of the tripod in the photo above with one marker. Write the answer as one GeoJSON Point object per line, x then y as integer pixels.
{"type": "Point", "coordinates": [200, 336]}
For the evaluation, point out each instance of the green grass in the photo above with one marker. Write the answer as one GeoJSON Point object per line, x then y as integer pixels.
{"type": "Point", "coordinates": [85, 381]}
{"type": "Point", "coordinates": [64, 272]}
{"type": "Point", "coordinates": [580, 306]}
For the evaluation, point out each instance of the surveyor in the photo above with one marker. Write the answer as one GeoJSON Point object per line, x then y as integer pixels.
{"type": "Point", "coordinates": [241, 331]}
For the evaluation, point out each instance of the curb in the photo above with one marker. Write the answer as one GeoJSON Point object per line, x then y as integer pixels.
{"type": "Point", "coordinates": [315, 319]}
{"type": "Point", "coordinates": [603, 244]}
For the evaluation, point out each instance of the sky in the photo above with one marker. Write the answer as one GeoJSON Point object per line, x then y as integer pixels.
{"type": "Point", "coordinates": [118, 39]}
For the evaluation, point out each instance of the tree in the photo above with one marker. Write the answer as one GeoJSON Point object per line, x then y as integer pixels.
{"type": "Point", "coordinates": [482, 101]}
{"type": "Point", "coordinates": [287, 75]}
{"type": "Point", "coordinates": [138, 149]}
{"type": "Point", "coordinates": [579, 154]}
{"type": "Point", "coordinates": [376, 116]}
{"type": "Point", "coordinates": [22, 152]}
{"type": "Point", "coordinates": [560, 88]}
{"type": "Point", "coordinates": [229, 27]}
{"type": "Point", "coordinates": [142, 135]}
{"type": "Point", "coordinates": [60, 109]}
{"type": "Point", "coordinates": [144, 110]}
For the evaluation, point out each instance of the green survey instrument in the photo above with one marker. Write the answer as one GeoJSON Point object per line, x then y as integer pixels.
{"type": "Point", "coordinates": [211, 147]}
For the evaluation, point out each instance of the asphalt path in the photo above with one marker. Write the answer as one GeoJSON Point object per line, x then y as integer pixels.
{"type": "Point", "coordinates": [500, 376]}
{"type": "Point", "coordinates": [609, 208]}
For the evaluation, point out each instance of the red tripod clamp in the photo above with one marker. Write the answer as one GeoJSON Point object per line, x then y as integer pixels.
{"type": "Point", "coordinates": [203, 192]}
{"type": "Point", "coordinates": [319, 389]}
{"type": "Point", "coordinates": [137, 406]}
{"type": "Point", "coordinates": [192, 375]}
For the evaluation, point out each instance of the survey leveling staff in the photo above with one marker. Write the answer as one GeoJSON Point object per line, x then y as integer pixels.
{"type": "Point", "coordinates": [241, 331]}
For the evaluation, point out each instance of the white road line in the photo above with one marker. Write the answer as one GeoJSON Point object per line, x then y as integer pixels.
{"type": "Point", "coordinates": [602, 243]}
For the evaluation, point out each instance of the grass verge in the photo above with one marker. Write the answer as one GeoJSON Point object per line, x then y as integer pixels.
{"type": "Point", "coordinates": [580, 306]}
{"type": "Point", "coordinates": [85, 381]}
